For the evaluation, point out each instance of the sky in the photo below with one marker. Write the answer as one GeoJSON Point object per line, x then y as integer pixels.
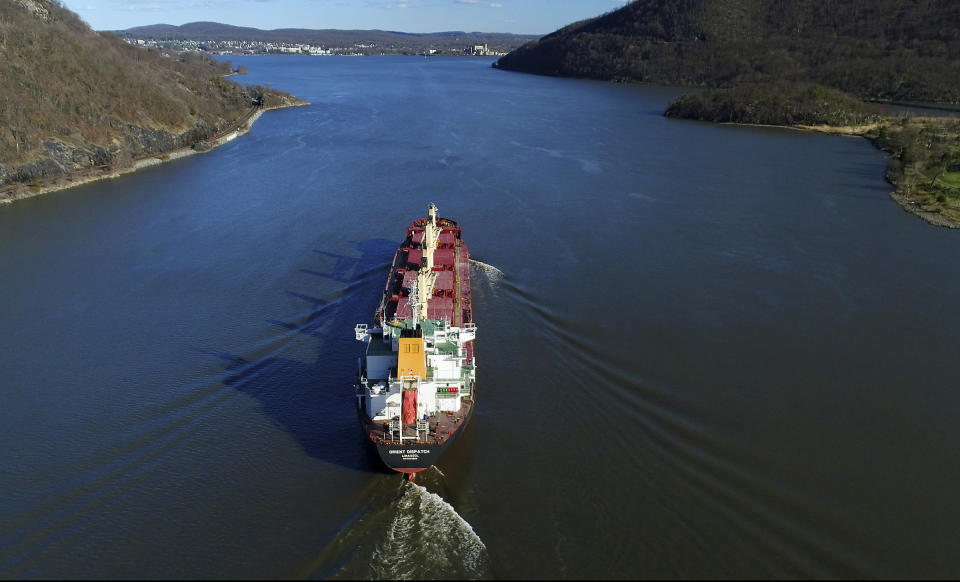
{"type": "Point", "coordinates": [516, 16]}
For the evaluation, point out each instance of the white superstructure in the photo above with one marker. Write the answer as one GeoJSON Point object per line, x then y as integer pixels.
{"type": "Point", "coordinates": [446, 380]}
{"type": "Point", "coordinates": [418, 373]}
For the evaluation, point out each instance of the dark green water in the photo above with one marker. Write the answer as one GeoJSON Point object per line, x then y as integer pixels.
{"type": "Point", "coordinates": [709, 351]}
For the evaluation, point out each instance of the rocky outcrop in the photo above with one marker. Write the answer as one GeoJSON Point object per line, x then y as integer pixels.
{"type": "Point", "coordinates": [65, 165]}
{"type": "Point", "coordinates": [59, 158]}
{"type": "Point", "coordinates": [76, 104]}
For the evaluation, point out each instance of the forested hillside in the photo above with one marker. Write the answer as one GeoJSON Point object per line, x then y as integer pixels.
{"type": "Point", "coordinates": [71, 98]}
{"type": "Point", "coordinates": [774, 103]}
{"type": "Point", "coordinates": [897, 50]}
{"type": "Point", "coordinates": [789, 62]}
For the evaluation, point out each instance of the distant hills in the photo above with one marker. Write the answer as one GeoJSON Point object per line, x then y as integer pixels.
{"type": "Point", "coordinates": [72, 99]}
{"type": "Point", "coordinates": [367, 41]}
{"type": "Point", "coordinates": [888, 50]}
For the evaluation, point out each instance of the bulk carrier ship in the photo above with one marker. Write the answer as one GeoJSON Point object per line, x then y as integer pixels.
{"type": "Point", "coordinates": [415, 383]}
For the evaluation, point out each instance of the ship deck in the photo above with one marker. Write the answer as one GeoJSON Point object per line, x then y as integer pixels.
{"type": "Point", "coordinates": [441, 427]}
{"type": "Point", "coordinates": [451, 299]}
{"type": "Point", "coordinates": [449, 302]}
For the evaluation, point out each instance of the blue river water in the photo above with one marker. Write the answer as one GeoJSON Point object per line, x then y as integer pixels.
{"type": "Point", "coordinates": [703, 350]}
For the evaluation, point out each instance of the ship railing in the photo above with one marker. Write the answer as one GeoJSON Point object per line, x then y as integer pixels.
{"type": "Point", "coordinates": [396, 427]}
{"type": "Point", "coordinates": [393, 432]}
{"type": "Point", "coordinates": [468, 332]}
{"type": "Point", "coordinates": [391, 410]}
{"type": "Point", "coordinates": [466, 371]}
{"type": "Point", "coordinates": [410, 380]}
{"type": "Point", "coordinates": [360, 390]}
{"type": "Point", "coordinates": [361, 331]}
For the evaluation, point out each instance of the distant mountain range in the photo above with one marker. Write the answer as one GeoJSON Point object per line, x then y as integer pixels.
{"type": "Point", "coordinates": [899, 50]}
{"type": "Point", "coordinates": [382, 40]}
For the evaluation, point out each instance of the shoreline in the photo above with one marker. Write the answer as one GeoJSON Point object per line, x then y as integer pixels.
{"type": "Point", "coordinates": [904, 200]}
{"type": "Point", "coordinates": [14, 192]}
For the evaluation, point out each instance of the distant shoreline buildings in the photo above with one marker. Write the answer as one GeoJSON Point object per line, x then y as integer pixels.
{"type": "Point", "coordinates": [481, 50]}
{"type": "Point", "coordinates": [255, 47]}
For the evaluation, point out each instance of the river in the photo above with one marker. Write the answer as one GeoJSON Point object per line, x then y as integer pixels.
{"type": "Point", "coordinates": [703, 350]}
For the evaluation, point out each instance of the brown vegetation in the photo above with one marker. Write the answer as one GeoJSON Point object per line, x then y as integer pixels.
{"type": "Point", "coordinates": [73, 99]}
{"type": "Point", "coordinates": [776, 103]}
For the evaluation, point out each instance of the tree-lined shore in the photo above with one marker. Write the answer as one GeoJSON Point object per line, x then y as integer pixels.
{"type": "Point", "coordinates": [794, 63]}
{"type": "Point", "coordinates": [924, 162]}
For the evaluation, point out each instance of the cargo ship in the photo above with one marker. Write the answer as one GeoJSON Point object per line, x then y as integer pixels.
{"type": "Point", "coordinates": [416, 381]}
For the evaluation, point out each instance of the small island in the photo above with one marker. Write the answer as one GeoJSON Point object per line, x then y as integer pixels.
{"type": "Point", "coordinates": [82, 106]}
{"type": "Point", "coordinates": [805, 64]}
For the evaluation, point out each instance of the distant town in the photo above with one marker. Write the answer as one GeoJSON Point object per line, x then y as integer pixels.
{"type": "Point", "coordinates": [223, 39]}
{"type": "Point", "coordinates": [258, 47]}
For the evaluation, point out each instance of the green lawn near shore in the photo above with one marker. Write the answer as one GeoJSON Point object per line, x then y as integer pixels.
{"type": "Point", "coordinates": [950, 179]}
{"type": "Point", "coordinates": [925, 154]}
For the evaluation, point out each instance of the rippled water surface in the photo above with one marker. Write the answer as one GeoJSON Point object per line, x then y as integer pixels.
{"type": "Point", "coordinates": [704, 351]}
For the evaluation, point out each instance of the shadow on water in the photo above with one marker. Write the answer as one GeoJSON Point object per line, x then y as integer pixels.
{"type": "Point", "coordinates": [404, 530]}
{"type": "Point", "coordinates": [314, 401]}
{"type": "Point", "coordinates": [344, 267]}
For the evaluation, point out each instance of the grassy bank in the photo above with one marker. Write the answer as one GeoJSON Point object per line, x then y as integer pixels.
{"type": "Point", "coordinates": [924, 165]}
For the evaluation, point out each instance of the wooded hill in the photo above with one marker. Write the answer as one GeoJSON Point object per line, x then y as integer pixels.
{"type": "Point", "coordinates": [72, 98]}
{"type": "Point", "coordinates": [789, 62]}
{"type": "Point", "coordinates": [886, 50]}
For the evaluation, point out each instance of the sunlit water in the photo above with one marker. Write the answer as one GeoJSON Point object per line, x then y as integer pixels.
{"type": "Point", "coordinates": [704, 351]}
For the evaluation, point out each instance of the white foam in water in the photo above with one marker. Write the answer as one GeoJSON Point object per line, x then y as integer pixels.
{"type": "Point", "coordinates": [492, 271]}
{"type": "Point", "coordinates": [428, 539]}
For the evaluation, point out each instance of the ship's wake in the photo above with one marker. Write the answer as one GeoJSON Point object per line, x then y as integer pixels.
{"type": "Point", "coordinates": [427, 539]}
{"type": "Point", "coordinates": [492, 272]}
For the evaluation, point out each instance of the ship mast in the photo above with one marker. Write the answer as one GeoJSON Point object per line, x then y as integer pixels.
{"type": "Point", "coordinates": [415, 303]}
{"type": "Point", "coordinates": [425, 276]}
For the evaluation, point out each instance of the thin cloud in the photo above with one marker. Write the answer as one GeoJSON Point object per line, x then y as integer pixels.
{"type": "Point", "coordinates": [151, 5]}
{"type": "Point", "coordinates": [388, 4]}
{"type": "Point", "coordinates": [161, 5]}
